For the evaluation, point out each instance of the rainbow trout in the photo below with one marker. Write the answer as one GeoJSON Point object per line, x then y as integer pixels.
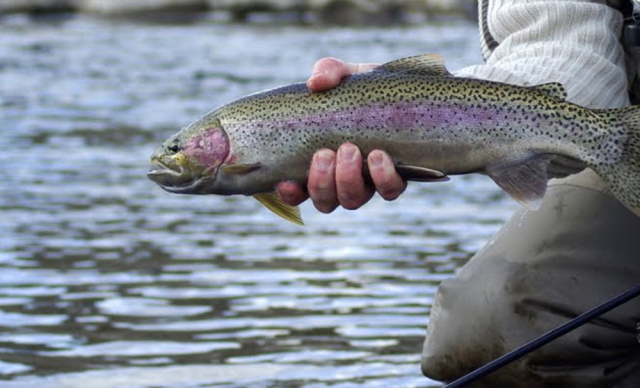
{"type": "Point", "coordinates": [431, 123]}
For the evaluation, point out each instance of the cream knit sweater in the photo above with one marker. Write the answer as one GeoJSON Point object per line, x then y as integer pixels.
{"type": "Point", "coordinates": [574, 42]}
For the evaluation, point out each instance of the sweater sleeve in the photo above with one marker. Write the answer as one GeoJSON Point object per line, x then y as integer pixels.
{"type": "Point", "coordinates": [574, 42]}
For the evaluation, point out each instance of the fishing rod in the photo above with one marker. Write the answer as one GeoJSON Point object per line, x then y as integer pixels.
{"type": "Point", "coordinates": [546, 338]}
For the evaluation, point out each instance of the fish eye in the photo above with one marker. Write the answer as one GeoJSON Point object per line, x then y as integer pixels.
{"type": "Point", "coordinates": [175, 147]}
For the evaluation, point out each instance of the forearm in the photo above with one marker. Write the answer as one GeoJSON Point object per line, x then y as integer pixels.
{"type": "Point", "coordinates": [572, 42]}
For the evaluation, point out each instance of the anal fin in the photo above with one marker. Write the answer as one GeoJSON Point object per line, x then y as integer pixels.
{"type": "Point", "coordinates": [273, 203]}
{"type": "Point", "coordinates": [524, 179]}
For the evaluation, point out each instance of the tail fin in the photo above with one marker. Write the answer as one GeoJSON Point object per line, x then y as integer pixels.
{"type": "Point", "coordinates": [623, 176]}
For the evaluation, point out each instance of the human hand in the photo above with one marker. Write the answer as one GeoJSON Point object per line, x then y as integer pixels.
{"type": "Point", "coordinates": [335, 178]}
{"type": "Point", "coordinates": [328, 72]}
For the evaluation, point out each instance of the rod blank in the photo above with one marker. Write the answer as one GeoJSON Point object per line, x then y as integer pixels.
{"type": "Point", "coordinates": [545, 338]}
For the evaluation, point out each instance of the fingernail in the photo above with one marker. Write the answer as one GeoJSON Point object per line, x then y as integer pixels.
{"type": "Point", "coordinates": [375, 159]}
{"type": "Point", "coordinates": [347, 153]}
{"type": "Point", "coordinates": [323, 159]}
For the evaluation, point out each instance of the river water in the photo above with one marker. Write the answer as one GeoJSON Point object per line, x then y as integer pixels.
{"type": "Point", "coordinates": [107, 281]}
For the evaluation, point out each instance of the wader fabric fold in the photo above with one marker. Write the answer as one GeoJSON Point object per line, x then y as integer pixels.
{"type": "Point", "coordinates": [541, 269]}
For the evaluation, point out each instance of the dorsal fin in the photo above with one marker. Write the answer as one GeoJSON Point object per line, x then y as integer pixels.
{"type": "Point", "coordinates": [552, 89]}
{"type": "Point", "coordinates": [426, 64]}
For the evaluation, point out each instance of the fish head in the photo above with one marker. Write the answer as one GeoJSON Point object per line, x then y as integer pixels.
{"type": "Point", "coordinates": [188, 162]}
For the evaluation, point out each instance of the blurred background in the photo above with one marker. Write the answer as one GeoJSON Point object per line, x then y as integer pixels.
{"type": "Point", "coordinates": [326, 11]}
{"type": "Point", "coordinates": [107, 281]}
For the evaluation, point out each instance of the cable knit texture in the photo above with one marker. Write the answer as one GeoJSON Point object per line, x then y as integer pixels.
{"type": "Point", "coordinates": [568, 41]}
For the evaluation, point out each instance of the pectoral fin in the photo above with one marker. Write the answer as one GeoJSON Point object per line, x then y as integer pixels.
{"type": "Point", "coordinates": [420, 174]}
{"type": "Point", "coordinates": [273, 203]}
{"type": "Point", "coordinates": [239, 169]}
{"type": "Point", "coordinates": [525, 179]}
{"type": "Point", "coordinates": [411, 173]}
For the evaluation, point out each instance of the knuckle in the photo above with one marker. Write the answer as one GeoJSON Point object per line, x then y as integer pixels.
{"type": "Point", "coordinates": [327, 64]}
{"type": "Point", "coordinates": [347, 181]}
{"type": "Point", "coordinates": [323, 195]}
{"type": "Point", "coordinates": [351, 193]}
{"type": "Point", "coordinates": [352, 205]}
{"type": "Point", "coordinates": [390, 194]}
{"type": "Point", "coordinates": [325, 206]}
{"type": "Point", "coordinates": [355, 196]}
{"type": "Point", "coordinates": [390, 189]}
{"type": "Point", "coordinates": [318, 187]}
{"type": "Point", "coordinates": [351, 201]}
{"type": "Point", "coordinates": [331, 61]}
{"type": "Point", "coordinates": [291, 193]}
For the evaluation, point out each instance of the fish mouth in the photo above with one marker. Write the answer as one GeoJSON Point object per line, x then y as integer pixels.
{"type": "Point", "coordinates": [172, 177]}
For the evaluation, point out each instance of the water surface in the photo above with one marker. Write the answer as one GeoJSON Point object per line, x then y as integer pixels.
{"type": "Point", "coordinates": [106, 281]}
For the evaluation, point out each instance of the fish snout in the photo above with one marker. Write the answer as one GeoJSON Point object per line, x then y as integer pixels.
{"type": "Point", "coordinates": [169, 171]}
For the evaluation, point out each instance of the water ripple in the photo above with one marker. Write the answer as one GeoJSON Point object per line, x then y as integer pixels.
{"type": "Point", "coordinates": [107, 281]}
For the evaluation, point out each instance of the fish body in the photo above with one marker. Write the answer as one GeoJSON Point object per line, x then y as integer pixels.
{"type": "Point", "coordinates": [431, 123]}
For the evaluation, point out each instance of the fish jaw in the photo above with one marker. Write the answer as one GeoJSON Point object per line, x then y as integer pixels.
{"type": "Point", "coordinates": [188, 162]}
{"type": "Point", "coordinates": [172, 173]}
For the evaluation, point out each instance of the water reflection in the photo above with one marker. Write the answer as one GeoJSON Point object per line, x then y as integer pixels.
{"type": "Point", "coordinates": [106, 281]}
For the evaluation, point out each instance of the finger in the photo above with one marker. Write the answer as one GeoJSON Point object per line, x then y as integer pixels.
{"type": "Point", "coordinates": [385, 178]}
{"type": "Point", "coordinates": [291, 193]}
{"type": "Point", "coordinates": [351, 189]}
{"type": "Point", "coordinates": [321, 183]}
{"type": "Point", "coordinates": [328, 72]}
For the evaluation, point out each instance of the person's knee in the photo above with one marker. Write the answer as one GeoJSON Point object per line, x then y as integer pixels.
{"type": "Point", "coordinates": [471, 317]}
{"type": "Point", "coordinates": [542, 268]}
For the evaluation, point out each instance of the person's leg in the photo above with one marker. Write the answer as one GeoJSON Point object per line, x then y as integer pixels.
{"type": "Point", "coordinates": [541, 269]}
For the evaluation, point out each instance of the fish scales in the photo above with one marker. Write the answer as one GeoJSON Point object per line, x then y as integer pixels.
{"type": "Point", "coordinates": [431, 123]}
{"type": "Point", "coordinates": [438, 110]}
